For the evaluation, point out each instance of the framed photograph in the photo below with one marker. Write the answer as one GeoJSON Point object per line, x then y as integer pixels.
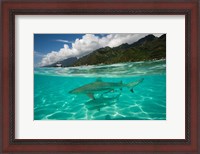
{"type": "Point", "coordinates": [100, 76]}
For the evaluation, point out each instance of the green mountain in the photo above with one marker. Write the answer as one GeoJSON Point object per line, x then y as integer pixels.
{"type": "Point", "coordinates": [147, 48]}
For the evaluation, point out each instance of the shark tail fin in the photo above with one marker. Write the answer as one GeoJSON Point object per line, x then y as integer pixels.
{"type": "Point", "coordinates": [133, 84]}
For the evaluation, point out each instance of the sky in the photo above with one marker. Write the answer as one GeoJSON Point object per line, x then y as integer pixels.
{"type": "Point", "coordinates": [50, 48]}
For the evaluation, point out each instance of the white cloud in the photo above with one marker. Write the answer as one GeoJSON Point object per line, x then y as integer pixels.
{"type": "Point", "coordinates": [55, 56]}
{"type": "Point", "coordinates": [63, 41]}
{"type": "Point", "coordinates": [89, 43]}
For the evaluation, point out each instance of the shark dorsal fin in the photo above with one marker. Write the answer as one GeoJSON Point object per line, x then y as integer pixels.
{"type": "Point", "coordinates": [98, 80]}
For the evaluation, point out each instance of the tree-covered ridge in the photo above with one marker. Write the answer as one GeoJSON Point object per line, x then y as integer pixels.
{"type": "Point", "coordinates": [147, 48]}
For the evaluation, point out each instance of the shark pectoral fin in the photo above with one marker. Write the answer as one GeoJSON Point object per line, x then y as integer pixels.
{"type": "Point", "coordinates": [91, 95]}
{"type": "Point", "coordinates": [132, 90]}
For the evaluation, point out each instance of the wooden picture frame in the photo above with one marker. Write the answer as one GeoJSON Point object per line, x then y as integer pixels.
{"type": "Point", "coordinates": [188, 8]}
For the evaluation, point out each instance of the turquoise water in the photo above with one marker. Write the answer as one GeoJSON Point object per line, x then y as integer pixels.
{"type": "Point", "coordinates": [146, 101]}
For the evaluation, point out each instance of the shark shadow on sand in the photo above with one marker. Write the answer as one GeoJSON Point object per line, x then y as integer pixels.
{"type": "Point", "coordinates": [101, 102]}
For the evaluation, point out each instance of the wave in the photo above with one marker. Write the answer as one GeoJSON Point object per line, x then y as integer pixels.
{"type": "Point", "coordinates": [141, 68]}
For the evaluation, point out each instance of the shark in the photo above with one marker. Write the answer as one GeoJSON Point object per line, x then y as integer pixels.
{"type": "Point", "coordinates": [101, 102]}
{"type": "Point", "coordinates": [101, 86]}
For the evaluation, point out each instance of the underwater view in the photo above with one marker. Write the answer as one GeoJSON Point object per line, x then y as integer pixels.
{"type": "Point", "coordinates": [100, 77]}
{"type": "Point", "coordinates": [58, 94]}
